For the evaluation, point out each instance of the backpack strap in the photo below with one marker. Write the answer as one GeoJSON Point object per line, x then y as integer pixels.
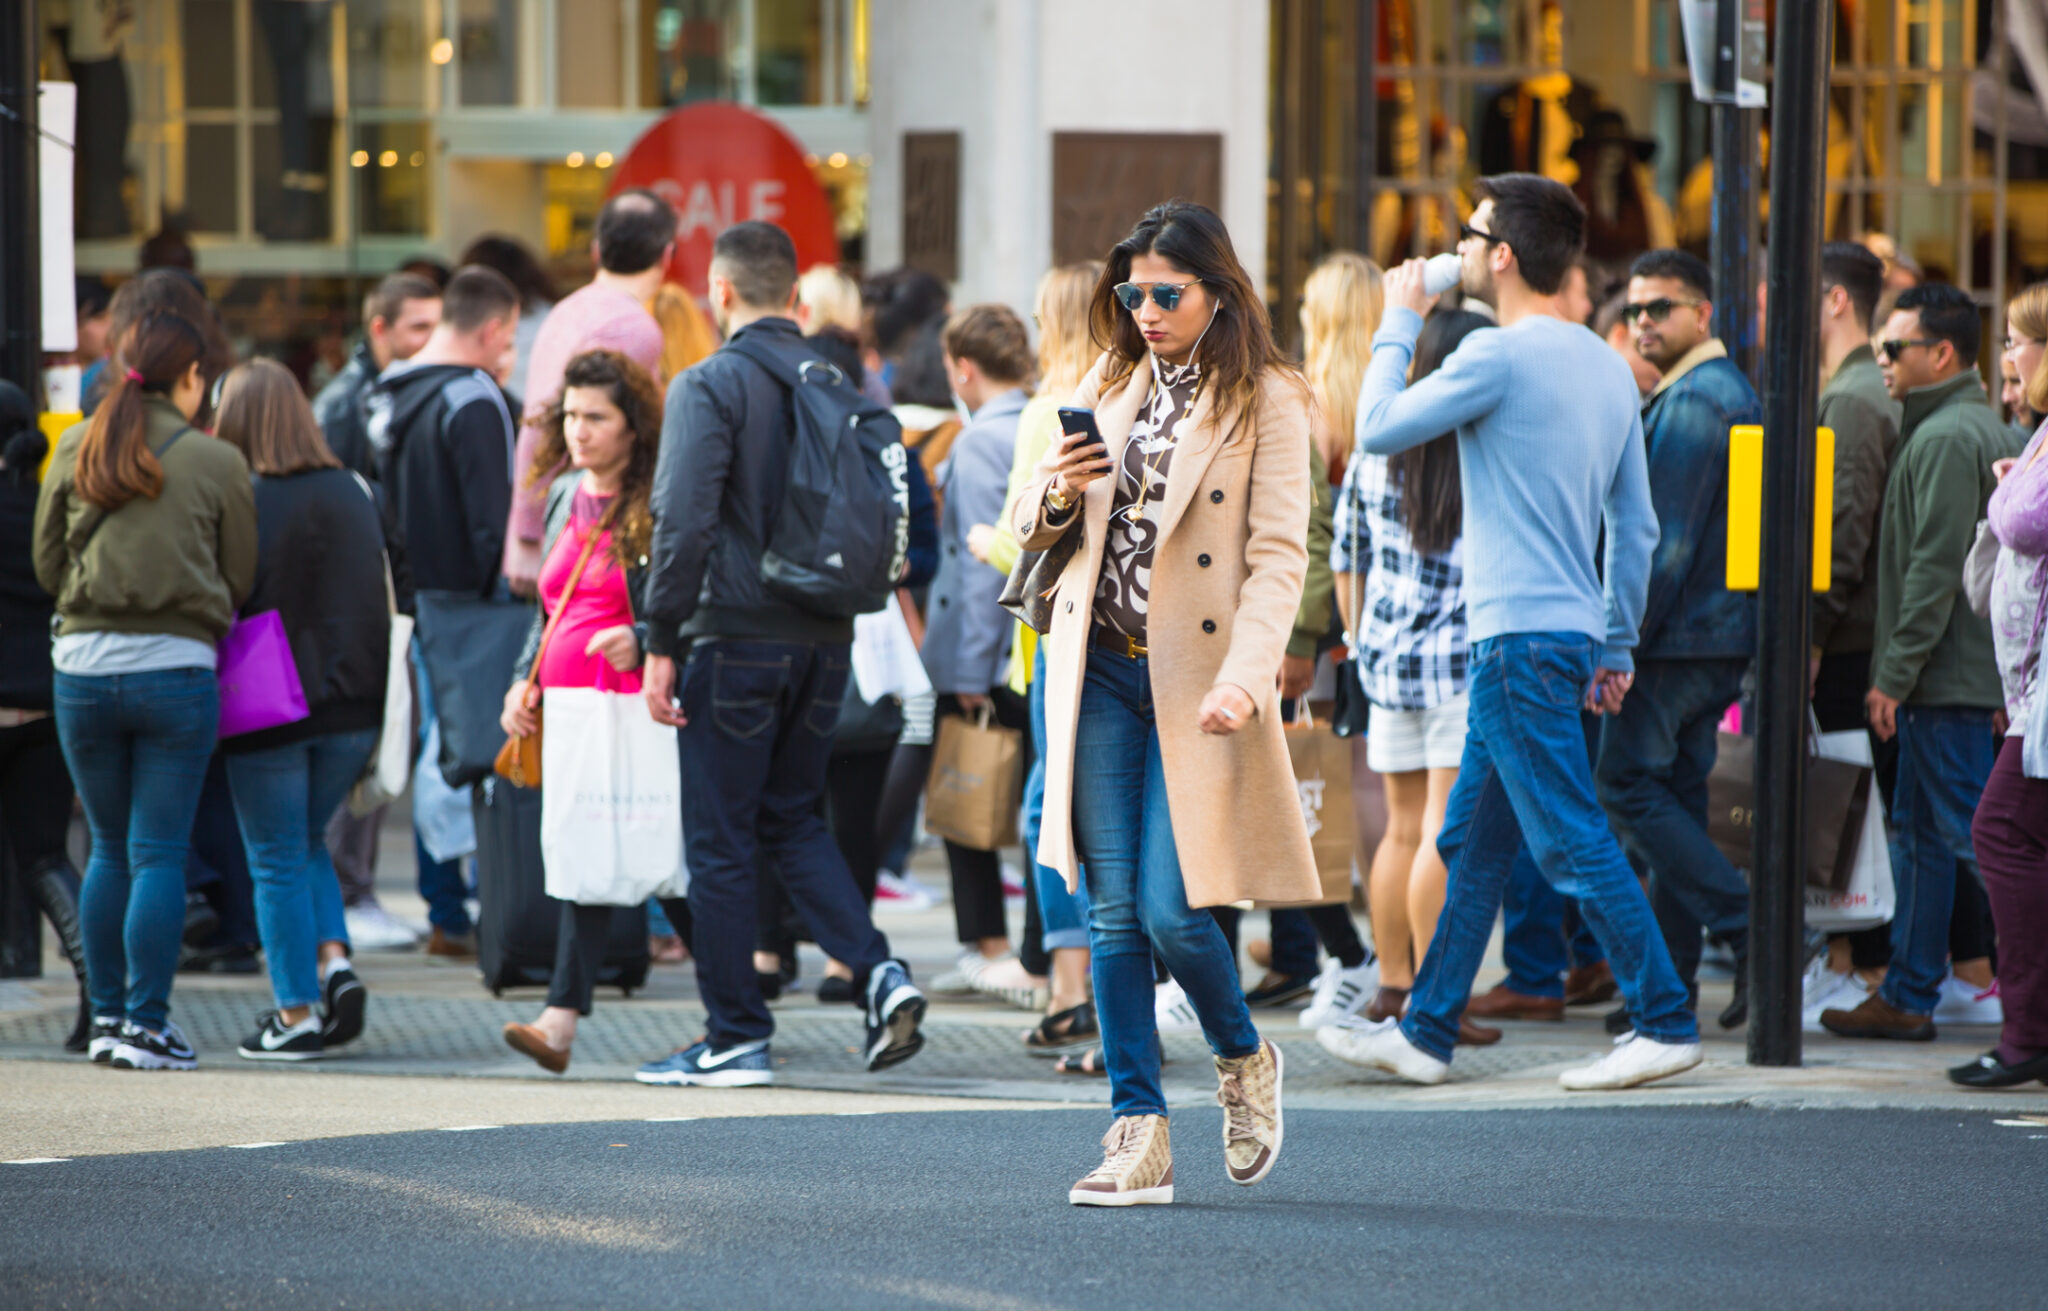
{"type": "Point", "coordinates": [778, 367]}
{"type": "Point", "coordinates": [159, 452]}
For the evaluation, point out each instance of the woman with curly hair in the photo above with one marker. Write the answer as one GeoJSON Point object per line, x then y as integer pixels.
{"type": "Point", "coordinates": [606, 431]}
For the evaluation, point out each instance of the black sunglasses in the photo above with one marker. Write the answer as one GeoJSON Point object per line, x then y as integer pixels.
{"type": "Point", "coordinates": [1166, 295]}
{"type": "Point", "coordinates": [1658, 309]}
{"type": "Point", "coordinates": [1891, 350]}
{"type": "Point", "coordinates": [1467, 230]}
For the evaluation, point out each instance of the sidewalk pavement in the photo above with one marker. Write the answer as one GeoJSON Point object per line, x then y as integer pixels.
{"type": "Point", "coordinates": [432, 1058]}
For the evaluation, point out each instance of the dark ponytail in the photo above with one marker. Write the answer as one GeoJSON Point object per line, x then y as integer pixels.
{"type": "Point", "coordinates": [1432, 502]}
{"type": "Point", "coordinates": [115, 464]}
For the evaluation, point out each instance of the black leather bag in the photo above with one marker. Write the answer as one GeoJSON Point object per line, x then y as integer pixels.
{"type": "Point", "coordinates": [470, 645]}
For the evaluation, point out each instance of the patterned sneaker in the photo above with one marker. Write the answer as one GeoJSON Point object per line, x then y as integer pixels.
{"type": "Point", "coordinates": [1136, 1169]}
{"type": "Point", "coordinates": [139, 1049]}
{"type": "Point", "coordinates": [106, 1035]}
{"type": "Point", "coordinates": [1248, 1090]}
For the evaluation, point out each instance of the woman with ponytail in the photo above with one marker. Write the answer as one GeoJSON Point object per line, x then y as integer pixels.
{"type": "Point", "coordinates": [145, 532]}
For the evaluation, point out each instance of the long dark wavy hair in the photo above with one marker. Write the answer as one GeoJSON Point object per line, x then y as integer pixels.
{"type": "Point", "coordinates": [632, 390]}
{"type": "Point", "coordinates": [1239, 348]}
{"type": "Point", "coordinates": [1432, 502]}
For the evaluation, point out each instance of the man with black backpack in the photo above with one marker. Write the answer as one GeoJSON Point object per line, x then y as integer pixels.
{"type": "Point", "coordinates": [780, 512]}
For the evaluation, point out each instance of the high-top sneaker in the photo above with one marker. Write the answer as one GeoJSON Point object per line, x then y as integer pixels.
{"type": "Point", "coordinates": [1248, 1090]}
{"type": "Point", "coordinates": [1136, 1169]}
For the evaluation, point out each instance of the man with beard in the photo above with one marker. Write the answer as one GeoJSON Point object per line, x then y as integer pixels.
{"type": "Point", "coordinates": [1697, 636]}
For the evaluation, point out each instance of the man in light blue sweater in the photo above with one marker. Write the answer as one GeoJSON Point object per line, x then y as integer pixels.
{"type": "Point", "coordinates": [1549, 439]}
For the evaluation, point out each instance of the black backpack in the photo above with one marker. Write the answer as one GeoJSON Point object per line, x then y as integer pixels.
{"type": "Point", "coordinates": [839, 541]}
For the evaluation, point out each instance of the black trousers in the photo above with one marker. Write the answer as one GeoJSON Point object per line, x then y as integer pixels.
{"type": "Point", "coordinates": [35, 813]}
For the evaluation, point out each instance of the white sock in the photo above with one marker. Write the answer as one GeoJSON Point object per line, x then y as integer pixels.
{"type": "Point", "coordinates": [328, 967]}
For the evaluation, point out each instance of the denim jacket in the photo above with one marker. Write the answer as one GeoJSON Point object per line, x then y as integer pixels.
{"type": "Point", "coordinates": [1690, 613]}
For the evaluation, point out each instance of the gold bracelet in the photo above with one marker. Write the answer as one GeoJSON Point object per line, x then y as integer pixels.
{"type": "Point", "coordinates": [1057, 499]}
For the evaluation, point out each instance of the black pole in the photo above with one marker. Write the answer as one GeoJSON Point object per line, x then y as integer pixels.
{"type": "Point", "coordinates": [1734, 233]}
{"type": "Point", "coordinates": [1366, 119]}
{"type": "Point", "coordinates": [21, 314]}
{"type": "Point", "coordinates": [1777, 887]}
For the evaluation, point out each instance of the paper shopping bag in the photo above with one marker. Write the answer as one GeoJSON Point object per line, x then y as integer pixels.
{"type": "Point", "coordinates": [976, 783]}
{"type": "Point", "coordinates": [1322, 779]}
{"type": "Point", "coordinates": [611, 818]}
{"type": "Point", "coordinates": [1837, 793]}
{"type": "Point", "coordinates": [1867, 897]}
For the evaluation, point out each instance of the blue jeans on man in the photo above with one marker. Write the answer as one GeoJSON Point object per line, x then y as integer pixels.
{"type": "Point", "coordinates": [1655, 757]}
{"type": "Point", "coordinates": [137, 747]}
{"type": "Point", "coordinates": [1945, 758]}
{"type": "Point", "coordinates": [761, 715]}
{"type": "Point", "coordinates": [1543, 935]}
{"type": "Point", "coordinates": [284, 797]}
{"type": "Point", "coordinates": [1525, 774]}
{"type": "Point", "coordinates": [1123, 835]}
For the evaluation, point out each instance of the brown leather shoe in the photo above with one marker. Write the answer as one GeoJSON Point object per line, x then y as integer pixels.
{"type": "Point", "coordinates": [1475, 1035]}
{"type": "Point", "coordinates": [1504, 1003]}
{"type": "Point", "coordinates": [1878, 1018]}
{"type": "Point", "coordinates": [1387, 1004]}
{"type": "Point", "coordinates": [530, 1041]}
{"type": "Point", "coordinates": [1589, 985]}
{"type": "Point", "coordinates": [445, 949]}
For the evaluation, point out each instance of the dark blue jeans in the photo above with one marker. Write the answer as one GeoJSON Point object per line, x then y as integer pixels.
{"type": "Point", "coordinates": [1525, 774]}
{"type": "Point", "coordinates": [137, 745]}
{"type": "Point", "coordinates": [1655, 757]}
{"type": "Point", "coordinates": [1123, 835]}
{"type": "Point", "coordinates": [761, 718]}
{"type": "Point", "coordinates": [1945, 758]}
{"type": "Point", "coordinates": [1542, 932]}
{"type": "Point", "coordinates": [283, 799]}
{"type": "Point", "coordinates": [217, 866]}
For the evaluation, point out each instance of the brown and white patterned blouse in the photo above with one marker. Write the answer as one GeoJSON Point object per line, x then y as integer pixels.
{"type": "Point", "coordinates": [1124, 589]}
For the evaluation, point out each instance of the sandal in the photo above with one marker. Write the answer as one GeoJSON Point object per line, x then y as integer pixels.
{"type": "Point", "coordinates": [1070, 1028]}
{"type": "Point", "coordinates": [1088, 1063]}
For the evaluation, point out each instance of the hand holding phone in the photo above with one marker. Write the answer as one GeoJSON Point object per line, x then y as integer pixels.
{"type": "Point", "coordinates": [1082, 456]}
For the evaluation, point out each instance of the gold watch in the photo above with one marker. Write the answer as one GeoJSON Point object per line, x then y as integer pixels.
{"type": "Point", "coordinates": [1057, 499]}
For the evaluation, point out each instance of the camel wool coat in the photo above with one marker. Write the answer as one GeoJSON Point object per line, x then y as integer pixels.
{"type": "Point", "coordinates": [1226, 581]}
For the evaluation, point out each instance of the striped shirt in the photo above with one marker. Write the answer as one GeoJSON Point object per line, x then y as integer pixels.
{"type": "Point", "coordinates": [1410, 637]}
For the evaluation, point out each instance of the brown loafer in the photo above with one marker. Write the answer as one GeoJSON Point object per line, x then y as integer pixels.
{"type": "Point", "coordinates": [1878, 1018]}
{"type": "Point", "coordinates": [1475, 1035]}
{"type": "Point", "coordinates": [1504, 1003]}
{"type": "Point", "coordinates": [1589, 985]}
{"type": "Point", "coordinates": [530, 1041]}
{"type": "Point", "coordinates": [1387, 1004]}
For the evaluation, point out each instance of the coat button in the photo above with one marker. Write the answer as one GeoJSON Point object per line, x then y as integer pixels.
{"type": "Point", "coordinates": [1208, 625]}
{"type": "Point", "coordinates": [1217, 496]}
{"type": "Point", "coordinates": [1202, 560]}
{"type": "Point", "coordinates": [945, 601]}
{"type": "Point", "coordinates": [1070, 607]}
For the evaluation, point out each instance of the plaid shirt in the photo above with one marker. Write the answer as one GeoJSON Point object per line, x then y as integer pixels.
{"type": "Point", "coordinates": [1410, 641]}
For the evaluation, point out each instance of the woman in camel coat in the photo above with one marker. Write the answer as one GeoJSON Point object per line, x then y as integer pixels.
{"type": "Point", "coordinates": [1167, 775]}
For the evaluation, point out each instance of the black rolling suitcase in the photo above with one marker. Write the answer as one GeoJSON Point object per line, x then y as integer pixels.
{"type": "Point", "coordinates": [515, 941]}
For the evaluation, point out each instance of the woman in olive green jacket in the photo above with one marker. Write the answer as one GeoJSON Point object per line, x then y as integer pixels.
{"type": "Point", "coordinates": [146, 535]}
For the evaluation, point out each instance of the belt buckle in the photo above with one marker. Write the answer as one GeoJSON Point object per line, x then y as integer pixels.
{"type": "Point", "coordinates": [1132, 647]}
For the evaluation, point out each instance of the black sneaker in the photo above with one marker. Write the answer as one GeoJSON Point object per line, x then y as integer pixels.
{"type": "Point", "coordinates": [833, 990]}
{"type": "Point", "coordinates": [895, 1009]}
{"type": "Point", "coordinates": [274, 1040]}
{"type": "Point", "coordinates": [139, 1049]}
{"type": "Point", "coordinates": [1279, 989]}
{"type": "Point", "coordinates": [343, 1001]}
{"type": "Point", "coordinates": [106, 1035]}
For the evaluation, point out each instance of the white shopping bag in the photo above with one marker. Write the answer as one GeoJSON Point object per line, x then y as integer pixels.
{"type": "Point", "coordinates": [1869, 899]}
{"type": "Point", "coordinates": [885, 659]}
{"type": "Point", "coordinates": [440, 814]}
{"type": "Point", "coordinates": [611, 804]}
{"type": "Point", "coordinates": [390, 767]}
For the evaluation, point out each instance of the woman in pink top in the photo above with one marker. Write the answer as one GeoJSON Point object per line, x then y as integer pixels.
{"type": "Point", "coordinates": [607, 429]}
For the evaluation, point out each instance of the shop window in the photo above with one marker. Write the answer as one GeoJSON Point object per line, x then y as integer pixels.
{"type": "Point", "coordinates": [487, 46]}
{"type": "Point", "coordinates": [689, 47]}
{"type": "Point", "coordinates": [789, 52]}
{"type": "Point", "coordinates": [212, 178]}
{"type": "Point", "coordinates": [393, 53]}
{"type": "Point", "coordinates": [208, 40]}
{"type": "Point", "coordinates": [391, 178]}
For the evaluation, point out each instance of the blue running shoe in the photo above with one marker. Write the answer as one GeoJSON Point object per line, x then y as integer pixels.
{"type": "Point", "coordinates": [697, 1066]}
{"type": "Point", "coordinates": [895, 1009]}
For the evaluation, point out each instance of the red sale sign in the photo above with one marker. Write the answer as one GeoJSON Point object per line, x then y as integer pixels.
{"type": "Point", "coordinates": [719, 164]}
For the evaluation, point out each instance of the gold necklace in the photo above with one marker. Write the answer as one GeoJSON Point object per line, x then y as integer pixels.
{"type": "Point", "coordinates": [1134, 513]}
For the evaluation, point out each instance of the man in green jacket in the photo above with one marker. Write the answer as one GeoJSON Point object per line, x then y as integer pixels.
{"type": "Point", "coordinates": [1934, 680]}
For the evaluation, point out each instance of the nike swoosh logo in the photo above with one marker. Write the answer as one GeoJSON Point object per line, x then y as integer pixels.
{"type": "Point", "coordinates": [709, 1061]}
{"type": "Point", "coordinates": [280, 1039]}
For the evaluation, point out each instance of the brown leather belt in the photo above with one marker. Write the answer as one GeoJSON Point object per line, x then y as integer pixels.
{"type": "Point", "coordinates": [1108, 639]}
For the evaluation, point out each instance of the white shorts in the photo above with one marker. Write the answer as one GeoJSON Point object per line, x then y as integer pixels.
{"type": "Point", "coordinates": [1402, 741]}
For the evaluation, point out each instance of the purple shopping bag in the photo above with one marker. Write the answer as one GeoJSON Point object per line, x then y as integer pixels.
{"type": "Point", "coordinates": [259, 682]}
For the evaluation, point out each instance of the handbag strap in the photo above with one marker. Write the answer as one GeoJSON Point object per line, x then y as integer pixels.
{"type": "Point", "coordinates": [390, 588]}
{"type": "Point", "coordinates": [562, 606]}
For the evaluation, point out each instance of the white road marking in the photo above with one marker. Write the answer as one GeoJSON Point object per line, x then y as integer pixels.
{"type": "Point", "coordinates": [253, 1146]}
{"type": "Point", "coordinates": [38, 1160]}
{"type": "Point", "coordinates": [468, 1128]}
{"type": "Point", "coordinates": [671, 1119]}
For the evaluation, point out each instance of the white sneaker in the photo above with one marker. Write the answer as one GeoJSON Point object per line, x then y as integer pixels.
{"type": "Point", "coordinates": [960, 981]}
{"type": "Point", "coordinates": [372, 928]}
{"type": "Point", "coordinates": [894, 892]}
{"type": "Point", "coordinates": [1340, 993]}
{"type": "Point", "coordinates": [1823, 989]}
{"type": "Point", "coordinates": [1634, 1060]}
{"type": "Point", "coordinates": [1172, 1012]}
{"type": "Point", "coordinates": [1382, 1046]}
{"type": "Point", "coordinates": [1960, 1003]}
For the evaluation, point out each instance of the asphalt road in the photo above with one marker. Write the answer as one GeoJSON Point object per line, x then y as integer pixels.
{"type": "Point", "coordinates": [1571, 1209]}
